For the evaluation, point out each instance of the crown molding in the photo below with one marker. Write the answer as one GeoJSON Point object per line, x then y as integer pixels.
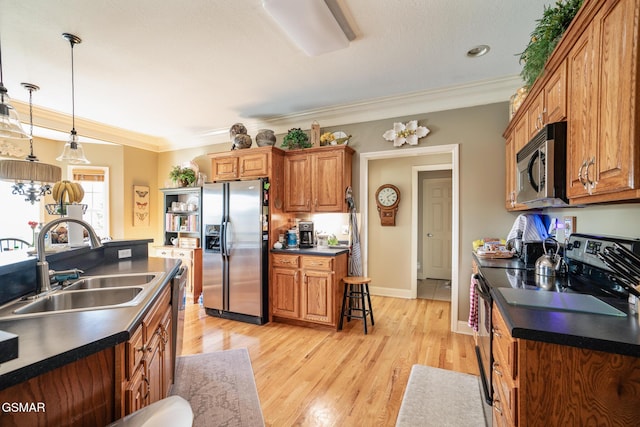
{"type": "Point", "coordinates": [460, 96]}
{"type": "Point", "coordinates": [60, 122]}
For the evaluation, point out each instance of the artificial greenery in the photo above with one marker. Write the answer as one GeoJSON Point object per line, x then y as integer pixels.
{"type": "Point", "coordinates": [183, 176]}
{"type": "Point", "coordinates": [545, 37]}
{"type": "Point", "coordinates": [296, 138]}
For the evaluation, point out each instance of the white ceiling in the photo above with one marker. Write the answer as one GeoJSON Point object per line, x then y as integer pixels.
{"type": "Point", "coordinates": [185, 71]}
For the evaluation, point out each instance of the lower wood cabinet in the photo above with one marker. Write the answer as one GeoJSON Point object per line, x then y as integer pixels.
{"type": "Point", "coordinates": [543, 384]}
{"type": "Point", "coordinates": [104, 386]}
{"type": "Point", "coordinates": [307, 288]}
{"type": "Point", "coordinates": [148, 361]}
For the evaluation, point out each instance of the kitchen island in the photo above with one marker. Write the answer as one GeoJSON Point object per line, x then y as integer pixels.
{"type": "Point", "coordinates": [74, 363]}
{"type": "Point", "coordinates": [555, 367]}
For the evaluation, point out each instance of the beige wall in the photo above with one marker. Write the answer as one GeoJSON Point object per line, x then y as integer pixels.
{"type": "Point", "coordinates": [140, 168]}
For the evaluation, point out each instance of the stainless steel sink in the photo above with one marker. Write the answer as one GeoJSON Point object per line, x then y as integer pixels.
{"type": "Point", "coordinates": [111, 281]}
{"type": "Point", "coordinates": [96, 298]}
{"type": "Point", "coordinates": [86, 293]}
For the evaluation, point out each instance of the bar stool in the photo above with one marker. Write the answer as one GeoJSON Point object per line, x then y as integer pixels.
{"type": "Point", "coordinates": [356, 288]}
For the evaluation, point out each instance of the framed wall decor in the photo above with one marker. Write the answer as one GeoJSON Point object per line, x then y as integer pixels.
{"type": "Point", "coordinates": [141, 206]}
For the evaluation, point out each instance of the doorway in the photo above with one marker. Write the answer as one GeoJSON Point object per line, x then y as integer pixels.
{"type": "Point", "coordinates": [451, 152]}
{"type": "Point", "coordinates": [434, 234]}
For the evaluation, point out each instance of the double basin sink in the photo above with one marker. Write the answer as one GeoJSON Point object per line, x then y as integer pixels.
{"type": "Point", "coordinates": [86, 293]}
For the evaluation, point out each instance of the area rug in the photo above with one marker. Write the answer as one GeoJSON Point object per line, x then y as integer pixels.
{"type": "Point", "coordinates": [220, 388]}
{"type": "Point", "coordinates": [437, 397]}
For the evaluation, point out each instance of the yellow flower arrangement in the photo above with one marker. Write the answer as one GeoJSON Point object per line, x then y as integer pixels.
{"type": "Point", "coordinates": [327, 138]}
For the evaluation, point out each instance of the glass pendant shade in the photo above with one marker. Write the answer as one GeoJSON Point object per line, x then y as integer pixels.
{"type": "Point", "coordinates": [73, 152]}
{"type": "Point", "coordinates": [10, 126]}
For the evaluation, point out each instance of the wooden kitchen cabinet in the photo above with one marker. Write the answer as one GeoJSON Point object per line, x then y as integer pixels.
{"type": "Point", "coordinates": [510, 181]}
{"type": "Point", "coordinates": [149, 362]}
{"type": "Point", "coordinates": [191, 260]}
{"type": "Point", "coordinates": [285, 283]}
{"type": "Point", "coordinates": [242, 164]}
{"type": "Point", "coordinates": [590, 80]}
{"type": "Point", "coordinates": [543, 384]}
{"type": "Point", "coordinates": [550, 105]}
{"type": "Point", "coordinates": [317, 294]}
{"type": "Point", "coordinates": [602, 136]}
{"type": "Point", "coordinates": [307, 288]}
{"type": "Point", "coordinates": [315, 179]}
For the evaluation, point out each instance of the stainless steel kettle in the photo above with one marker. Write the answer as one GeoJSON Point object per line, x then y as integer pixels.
{"type": "Point", "coordinates": [550, 262]}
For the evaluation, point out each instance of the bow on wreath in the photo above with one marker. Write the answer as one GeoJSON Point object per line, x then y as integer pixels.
{"type": "Point", "coordinates": [409, 133]}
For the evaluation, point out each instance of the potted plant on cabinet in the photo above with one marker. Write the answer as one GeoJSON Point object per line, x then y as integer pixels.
{"type": "Point", "coordinates": [184, 177]}
{"type": "Point", "coordinates": [296, 138]}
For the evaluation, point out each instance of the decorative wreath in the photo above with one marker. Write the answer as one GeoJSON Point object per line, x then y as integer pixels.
{"type": "Point", "coordinates": [409, 133]}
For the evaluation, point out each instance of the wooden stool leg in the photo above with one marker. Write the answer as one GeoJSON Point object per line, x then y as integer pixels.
{"type": "Point", "coordinates": [364, 307]}
{"type": "Point", "coordinates": [343, 308]}
{"type": "Point", "coordinates": [369, 300]}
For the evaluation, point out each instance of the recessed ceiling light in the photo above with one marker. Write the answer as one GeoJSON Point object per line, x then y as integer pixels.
{"type": "Point", "coordinates": [477, 51]}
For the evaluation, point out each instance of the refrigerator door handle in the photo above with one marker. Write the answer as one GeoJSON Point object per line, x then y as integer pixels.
{"type": "Point", "coordinates": [223, 238]}
{"type": "Point", "coordinates": [228, 238]}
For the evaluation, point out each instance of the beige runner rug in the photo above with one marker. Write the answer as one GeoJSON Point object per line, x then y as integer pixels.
{"type": "Point", "coordinates": [220, 388]}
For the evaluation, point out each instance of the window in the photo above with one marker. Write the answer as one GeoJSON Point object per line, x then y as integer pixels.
{"type": "Point", "coordinates": [18, 213]}
{"type": "Point", "coordinates": [95, 182]}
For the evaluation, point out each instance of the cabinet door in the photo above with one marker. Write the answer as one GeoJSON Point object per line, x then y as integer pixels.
{"type": "Point", "coordinates": [582, 116]}
{"type": "Point", "coordinates": [136, 391]}
{"type": "Point", "coordinates": [613, 168]}
{"type": "Point", "coordinates": [154, 367]}
{"type": "Point", "coordinates": [224, 168]}
{"type": "Point", "coordinates": [297, 178]}
{"type": "Point", "coordinates": [166, 354]}
{"type": "Point", "coordinates": [317, 296]}
{"type": "Point", "coordinates": [286, 292]}
{"type": "Point", "coordinates": [510, 179]}
{"type": "Point", "coordinates": [328, 188]}
{"type": "Point", "coordinates": [254, 165]}
{"type": "Point", "coordinates": [555, 96]}
{"type": "Point", "coordinates": [520, 134]}
{"type": "Point", "coordinates": [535, 116]}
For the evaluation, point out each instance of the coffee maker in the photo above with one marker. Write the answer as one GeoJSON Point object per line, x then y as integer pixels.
{"type": "Point", "coordinates": [305, 229]}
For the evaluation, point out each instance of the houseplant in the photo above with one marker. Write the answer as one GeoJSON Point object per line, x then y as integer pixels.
{"type": "Point", "coordinates": [296, 138]}
{"type": "Point", "coordinates": [545, 37]}
{"type": "Point", "coordinates": [184, 177]}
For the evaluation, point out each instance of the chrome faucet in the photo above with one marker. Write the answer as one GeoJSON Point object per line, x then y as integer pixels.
{"type": "Point", "coordinates": [43, 275]}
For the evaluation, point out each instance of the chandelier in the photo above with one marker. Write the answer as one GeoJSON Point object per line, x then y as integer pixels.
{"type": "Point", "coordinates": [31, 178]}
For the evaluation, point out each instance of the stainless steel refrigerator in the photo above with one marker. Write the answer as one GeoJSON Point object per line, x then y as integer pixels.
{"type": "Point", "coordinates": [235, 250]}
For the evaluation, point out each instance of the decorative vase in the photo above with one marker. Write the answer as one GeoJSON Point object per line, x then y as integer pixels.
{"type": "Point", "coordinates": [265, 137]}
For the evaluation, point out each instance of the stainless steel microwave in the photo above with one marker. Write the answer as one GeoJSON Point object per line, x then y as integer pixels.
{"type": "Point", "coordinates": [541, 168]}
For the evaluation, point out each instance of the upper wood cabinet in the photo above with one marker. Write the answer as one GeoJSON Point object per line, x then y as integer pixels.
{"type": "Point", "coordinates": [315, 179]}
{"type": "Point", "coordinates": [242, 164]}
{"type": "Point", "coordinates": [591, 81]}
{"type": "Point", "coordinates": [603, 153]}
{"type": "Point", "coordinates": [510, 170]}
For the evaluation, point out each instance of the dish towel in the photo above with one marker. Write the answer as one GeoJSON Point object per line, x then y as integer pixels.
{"type": "Point", "coordinates": [528, 228]}
{"type": "Point", "coordinates": [473, 305]}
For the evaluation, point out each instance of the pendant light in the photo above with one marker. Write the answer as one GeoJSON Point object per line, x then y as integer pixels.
{"type": "Point", "coordinates": [73, 151]}
{"type": "Point", "coordinates": [31, 178]}
{"type": "Point", "coordinates": [10, 127]}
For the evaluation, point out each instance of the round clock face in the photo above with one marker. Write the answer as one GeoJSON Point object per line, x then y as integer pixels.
{"type": "Point", "coordinates": [387, 196]}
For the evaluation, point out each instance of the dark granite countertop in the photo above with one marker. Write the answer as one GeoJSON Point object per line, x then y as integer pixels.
{"type": "Point", "coordinates": [53, 340]}
{"type": "Point", "coordinates": [611, 334]}
{"type": "Point", "coordinates": [334, 251]}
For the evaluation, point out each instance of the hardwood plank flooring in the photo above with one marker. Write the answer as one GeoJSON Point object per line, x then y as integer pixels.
{"type": "Point", "coordinates": [320, 377]}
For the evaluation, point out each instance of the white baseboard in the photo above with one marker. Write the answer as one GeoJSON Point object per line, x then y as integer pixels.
{"type": "Point", "coordinates": [391, 292]}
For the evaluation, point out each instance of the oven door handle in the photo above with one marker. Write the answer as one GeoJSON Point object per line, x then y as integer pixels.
{"type": "Point", "coordinates": [481, 287]}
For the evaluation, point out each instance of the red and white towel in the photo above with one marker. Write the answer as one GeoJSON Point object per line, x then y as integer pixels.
{"type": "Point", "coordinates": [473, 305]}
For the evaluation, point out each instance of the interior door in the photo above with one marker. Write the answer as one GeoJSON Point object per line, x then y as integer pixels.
{"type": "Point", "coordinates": [436, 228]}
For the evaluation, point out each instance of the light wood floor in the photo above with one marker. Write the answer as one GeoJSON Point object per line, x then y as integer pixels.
{"type": "Point", "coordinates": [320, 377]}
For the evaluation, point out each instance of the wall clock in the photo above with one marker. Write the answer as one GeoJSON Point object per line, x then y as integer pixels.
{"type": "Point", "coordinates": [387, 199]}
